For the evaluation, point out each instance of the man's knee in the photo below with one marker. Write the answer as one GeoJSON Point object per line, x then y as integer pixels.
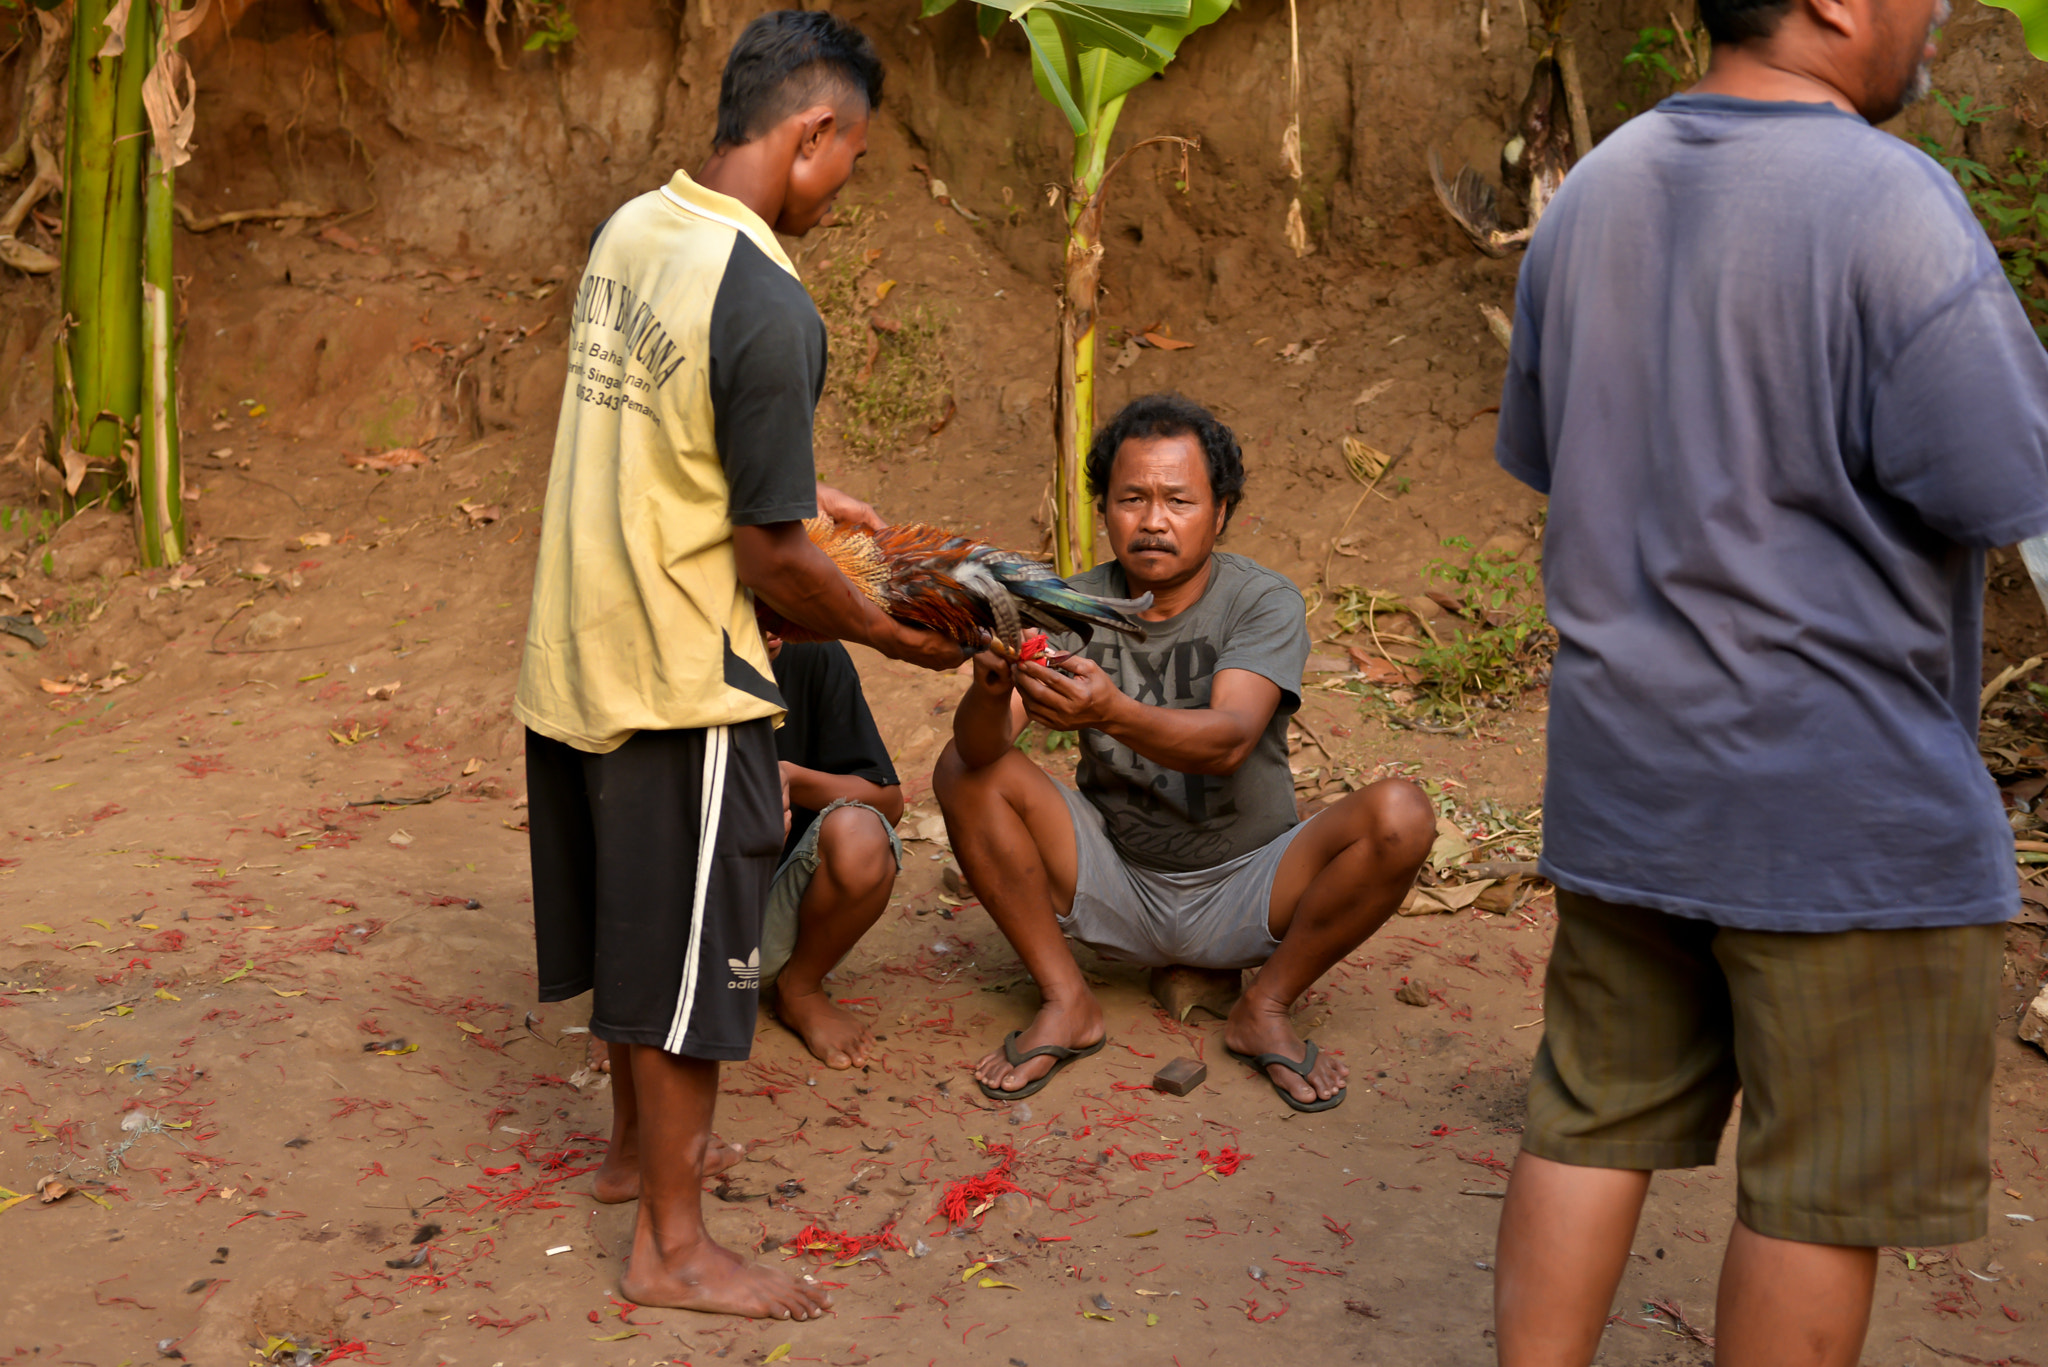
{"type": "Point", "coordinates": [854, 847]}
{"type": "Point", "coordinates": [1397, 821]}
{"type": "Point", "coordinates": [959, 788]}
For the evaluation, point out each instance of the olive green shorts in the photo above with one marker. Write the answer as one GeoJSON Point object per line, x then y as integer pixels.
{"type": "Point", "coordinates": [1863, 1059]}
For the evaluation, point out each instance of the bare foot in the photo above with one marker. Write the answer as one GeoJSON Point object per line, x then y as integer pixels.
{"type": "Point", "coordinates": [1075, 1023]}
{"type": "Point", "coordinates": [618, 1181]}
{"type": "Point", "coordinates": [1255, 1028]}
{"type": "Point", "coordinates": [836, 1038]}
{"type": "Point", "coordinates": [710, 1277]}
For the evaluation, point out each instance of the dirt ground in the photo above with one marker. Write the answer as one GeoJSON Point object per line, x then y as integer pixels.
{"type": "Point", "coordinates": [288, 1055]}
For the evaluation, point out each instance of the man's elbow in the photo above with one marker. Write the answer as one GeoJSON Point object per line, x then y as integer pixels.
{"type": "Point", "coordinates": [760, 559]}
{"type": "Point", "coordinates": [1228, 762]}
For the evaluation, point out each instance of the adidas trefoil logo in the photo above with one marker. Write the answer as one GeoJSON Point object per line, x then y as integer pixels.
{"type": "Point", "coordinates": [746, 972]}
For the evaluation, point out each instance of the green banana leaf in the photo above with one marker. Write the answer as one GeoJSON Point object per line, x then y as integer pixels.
{"type": "Point", "coordinates": [2033, 16]}
{"type": "Point", "coordinates": [1086, 54]}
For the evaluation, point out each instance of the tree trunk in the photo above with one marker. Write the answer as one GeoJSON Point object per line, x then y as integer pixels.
{"type": "Point", "coordinates": [99, 392]}
{"type": "Point", "coordinates": [1574, 99]}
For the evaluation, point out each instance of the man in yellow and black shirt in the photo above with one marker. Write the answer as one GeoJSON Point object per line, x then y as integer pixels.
{"type": "Point", "coordinates": [682, 471]}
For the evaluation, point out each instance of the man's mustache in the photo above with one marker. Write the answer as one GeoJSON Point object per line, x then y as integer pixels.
{"type": "Point", "coordinates": [1146, 543]}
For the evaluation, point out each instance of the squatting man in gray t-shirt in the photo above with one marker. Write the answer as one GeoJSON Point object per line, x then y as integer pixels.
{"type": "Point", "coordinates": [1181, 845]}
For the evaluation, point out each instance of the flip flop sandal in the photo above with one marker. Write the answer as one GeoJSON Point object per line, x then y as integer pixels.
{"type": "Point", "coordinates": [1059, 1052]}
{"type": "Point", "coordinates": [1304, 1068]}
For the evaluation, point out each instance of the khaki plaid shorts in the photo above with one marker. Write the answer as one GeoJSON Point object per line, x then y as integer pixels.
{"type": "Point", "coordinates": [1863, 1059]}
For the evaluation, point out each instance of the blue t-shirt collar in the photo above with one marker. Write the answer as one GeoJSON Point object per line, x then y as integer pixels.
{"type": "Point", "coordinates": [1695, 102]}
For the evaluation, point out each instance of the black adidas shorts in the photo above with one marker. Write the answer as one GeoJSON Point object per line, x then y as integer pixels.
{"type": "Point", "coordinates": [651, 868]}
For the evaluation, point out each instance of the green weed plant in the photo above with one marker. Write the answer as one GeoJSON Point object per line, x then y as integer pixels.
{"type": "Point", "coordinates": [2011, 203]}
{"type": "Point", "coordinates": [887, 389]}
{"type": "Point", "coordinates": [554, 28]}
{"type": "Point", "coordinates": [1662, 60]}
{"type": "Point", "coordinates": [1499, 645]}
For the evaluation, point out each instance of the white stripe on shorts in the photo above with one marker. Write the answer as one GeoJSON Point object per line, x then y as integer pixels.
{"type": "Point", "coordinates": [717, 745]}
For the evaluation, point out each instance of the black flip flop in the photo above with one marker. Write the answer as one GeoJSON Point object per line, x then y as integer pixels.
{"type": "Point", "coordinates": [1059, 1052]}
{"type": "Point", "coordinates": [1304, 1067]}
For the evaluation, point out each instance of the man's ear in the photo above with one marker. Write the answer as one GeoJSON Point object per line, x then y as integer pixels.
{"type": "Point", "coordinates": [816, 127]}
{"type": "Point", "coordinates": [1839, 18]}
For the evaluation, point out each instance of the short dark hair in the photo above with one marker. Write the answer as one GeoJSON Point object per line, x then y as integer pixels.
{"type": "Point", "coordinates": [784, 61]}
{"type": "Point", "coordinates": [1735, 22]}
{"type": "Point", "coordinates": [1170, 415]}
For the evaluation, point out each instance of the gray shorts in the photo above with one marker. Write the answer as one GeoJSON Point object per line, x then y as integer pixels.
{"type": "Point", "coordinates": [792, 880]}
{"type": "Point", "coordinates": [1207, 918]}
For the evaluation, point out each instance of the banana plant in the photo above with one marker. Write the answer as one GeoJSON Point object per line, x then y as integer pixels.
{"type": "Point", "coordinates": [1086, 57]}
{"type": "Point", "coordinates": [2033, 17]}
{"type": "Point", "coordinates": [128, 126]}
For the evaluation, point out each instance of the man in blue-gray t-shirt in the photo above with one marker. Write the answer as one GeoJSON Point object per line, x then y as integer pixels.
{"type": "Point", "coordinates": [1767, 367]}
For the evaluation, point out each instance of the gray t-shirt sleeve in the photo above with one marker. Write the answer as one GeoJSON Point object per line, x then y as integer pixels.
{"type": "Point", "coordinates": [1267, 634]}
{"type": "Point", "coordinates": [1959, 419]}
{"type": "Point", "coordinates": [767, 371]}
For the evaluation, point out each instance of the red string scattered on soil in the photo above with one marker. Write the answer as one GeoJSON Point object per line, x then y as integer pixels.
{"type": "Point", "coordinates": [966, 1198]}
{"type": "Point", "coordinates": [1226, 1162]}
{"type": "Point", "coordinates": [842, 1247]}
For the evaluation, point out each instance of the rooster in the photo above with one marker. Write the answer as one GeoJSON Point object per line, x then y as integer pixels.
{"type": "Point", "coordinates": [977, 594]}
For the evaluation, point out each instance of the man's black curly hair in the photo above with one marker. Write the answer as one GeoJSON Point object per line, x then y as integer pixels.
{"type": "Point", "coordinates": [1170, 415]}
{"type": "Point", "coordinates": [785, 61]}
{"type": "Point", "coordinates": [1735, 22]}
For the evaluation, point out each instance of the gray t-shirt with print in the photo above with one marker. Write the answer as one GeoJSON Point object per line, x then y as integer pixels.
{"type": "Point", "coordinates": [1247, 618]}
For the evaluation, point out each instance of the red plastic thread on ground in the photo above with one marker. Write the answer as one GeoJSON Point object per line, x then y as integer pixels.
{"type": "Point", "coordinates": [1226, 1162]}
{"type": "Point", "coordinates": [962, 1199]}
{"type": "Point", "coordinates": [841, 1247]}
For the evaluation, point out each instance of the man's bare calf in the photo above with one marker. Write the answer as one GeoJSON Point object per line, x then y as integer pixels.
{"type": "Point", "coordinates": [849, 892]}
{"type": "Point", "coordinates": [675, 1262]}
{"type": "Point", "coordinates": [1343, 876]}
{"type": "Point", "coordinates": [617, 1180]}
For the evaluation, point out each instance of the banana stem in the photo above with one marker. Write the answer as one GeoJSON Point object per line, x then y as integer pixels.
{"type": "Point", "coordinates": [159, 501]}
{"type": "Point", "coordinates": [101, 282]}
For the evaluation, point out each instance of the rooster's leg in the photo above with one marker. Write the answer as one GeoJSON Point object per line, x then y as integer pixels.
{"type": "Point", "coordinates": [1009, 626]}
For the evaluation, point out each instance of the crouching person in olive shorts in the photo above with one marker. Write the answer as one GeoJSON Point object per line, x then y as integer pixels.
{"type": "Point", "coordinates": [681, 474]}
{"type": "Point", "coordinates": [840, 860]}
{"type": "Point", "coordinates": [1782, 398]}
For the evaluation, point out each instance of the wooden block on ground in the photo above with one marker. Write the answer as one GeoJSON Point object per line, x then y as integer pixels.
{"type": "Point", "coordinates": [1182, 990]}
{"type": "Point", "coordinates": [1181, 1076]}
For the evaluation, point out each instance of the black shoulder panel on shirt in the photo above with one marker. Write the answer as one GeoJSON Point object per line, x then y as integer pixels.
{"type": "Point", "coordinates": [767, 369]}
{"type": "Point", "coordinates": [747, 679]}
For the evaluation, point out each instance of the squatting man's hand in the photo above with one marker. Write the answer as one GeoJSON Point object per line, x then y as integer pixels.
{"type": "Point", "coordinates": [1074, 696]}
